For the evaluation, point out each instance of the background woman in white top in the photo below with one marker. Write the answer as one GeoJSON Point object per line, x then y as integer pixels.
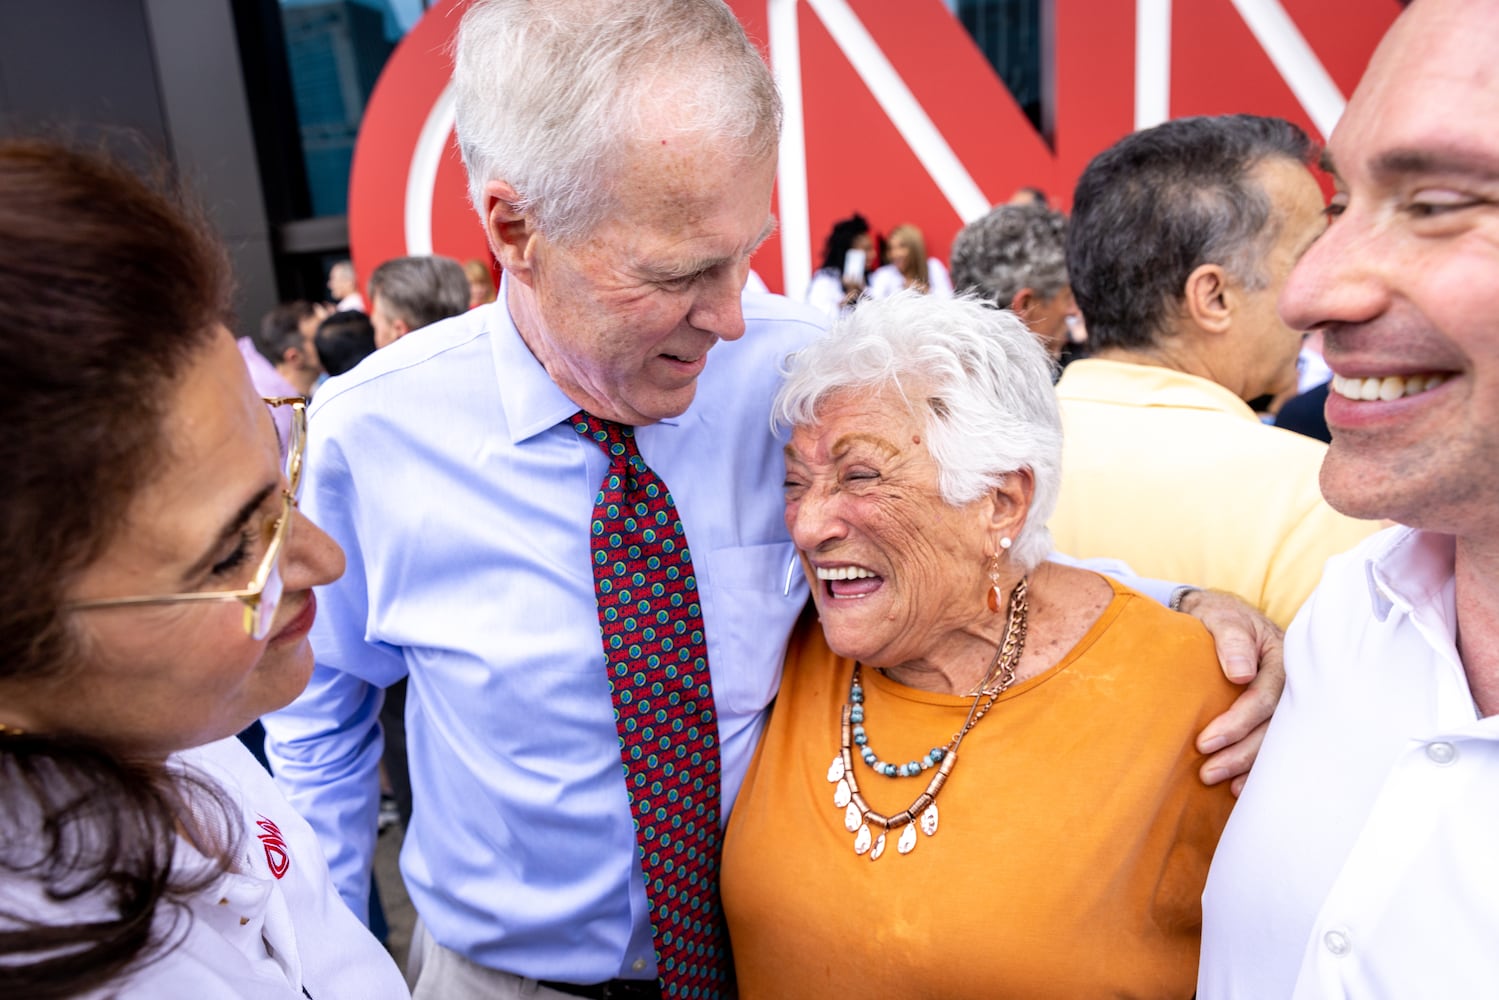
{"type": "Point", "coordinates": [155, 598]}
{"type": "Point", "coordinates": [909, 267]}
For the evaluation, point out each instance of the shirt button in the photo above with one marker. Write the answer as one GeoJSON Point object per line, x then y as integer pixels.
{"type": "Point", "coordinates": [1441, 753]}
{"type": "Point", "coordinates": [1336, 942]}
{"type": "Point", "coordinates": [638, 965]}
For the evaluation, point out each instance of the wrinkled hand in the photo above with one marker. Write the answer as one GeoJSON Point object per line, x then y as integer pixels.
{"type": "Point", "coordinates": [1249, 649]}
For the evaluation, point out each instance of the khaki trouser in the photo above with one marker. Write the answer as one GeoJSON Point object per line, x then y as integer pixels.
{"type": "Point", "coordinates": [437, 973]}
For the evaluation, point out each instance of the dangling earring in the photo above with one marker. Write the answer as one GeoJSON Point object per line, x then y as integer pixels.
{"type": "Point", "coordinates": [996, 596]}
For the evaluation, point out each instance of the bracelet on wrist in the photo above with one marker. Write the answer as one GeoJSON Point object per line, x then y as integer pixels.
{"type": "Point", "coordinates": [1180, 594]}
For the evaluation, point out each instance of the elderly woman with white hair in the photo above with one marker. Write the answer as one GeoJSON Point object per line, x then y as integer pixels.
{"type": "Point", "coordinates": [1008, 740]}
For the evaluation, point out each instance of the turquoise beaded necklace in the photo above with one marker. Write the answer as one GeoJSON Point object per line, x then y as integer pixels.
{"type": "Point", "coordinates": [857, 816]}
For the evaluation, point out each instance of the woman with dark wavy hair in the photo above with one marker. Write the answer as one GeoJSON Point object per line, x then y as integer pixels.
{"type": "Point", "coordinates": [155, 598]}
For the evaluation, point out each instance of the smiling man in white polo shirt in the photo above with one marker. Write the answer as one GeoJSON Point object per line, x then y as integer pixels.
{"type": "Point", "coordinates": [1360, 861]}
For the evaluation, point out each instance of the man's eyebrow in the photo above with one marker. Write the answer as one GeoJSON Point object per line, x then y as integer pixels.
{"type": "Point", "coordinates": [699, 265]}
{"type": "Point", "coordinates": [1451, 161]}
{"type": "Point", "coordinates": [682, 268]}
{"type": "Point", "coordinates": [1325, 163]}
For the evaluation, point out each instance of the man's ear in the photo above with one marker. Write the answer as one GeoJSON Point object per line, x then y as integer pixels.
{"type": "Point", "coordinates": [511, 234]}
{"type": "Point", "coordinates": [1209, 298]}
{"type": "Point", "coordinates": [1023, 300]}
{"type": "Point", "coordinates": [400, 326]}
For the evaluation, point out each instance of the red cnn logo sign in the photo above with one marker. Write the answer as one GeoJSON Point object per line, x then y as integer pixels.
{"type": "Point", "coordinates": [892, 110]}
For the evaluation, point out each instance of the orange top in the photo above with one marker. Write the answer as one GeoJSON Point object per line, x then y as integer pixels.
{"type": "Point", "coordinates": [1073, 842]}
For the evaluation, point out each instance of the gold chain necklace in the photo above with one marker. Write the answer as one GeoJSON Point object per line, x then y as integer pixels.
{"type": "Point", "coordinates": [857, 816]}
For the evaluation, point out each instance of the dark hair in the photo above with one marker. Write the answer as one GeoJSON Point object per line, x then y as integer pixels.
{"type": "Point", "coordinates": [344, 339]}
{"type": "Point", "coordinates": [109, 288]}
{"type": "Point", "coordinates": [1012, 248]}
{"type": "Point", "coordinates": [280, 329]}
{"type": "Point", "coordinates": [1162, 202]}
{"type": "Point", "coordinates": [420, 290]}
{"type": "Point", "coordinates": [841, 240]}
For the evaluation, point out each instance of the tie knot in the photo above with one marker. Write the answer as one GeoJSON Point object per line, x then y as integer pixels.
{"type": "Point", "coordinates": [617, 440]}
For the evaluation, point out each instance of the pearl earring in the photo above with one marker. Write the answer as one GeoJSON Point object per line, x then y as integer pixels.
{"type": "Point", "coordinates": [996, 596]}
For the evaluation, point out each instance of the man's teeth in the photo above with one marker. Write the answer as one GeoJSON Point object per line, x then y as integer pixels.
{"type": "Point", "coordinates": [843, 573]}
{"type": "Point", "coordinates": [1390, 387]}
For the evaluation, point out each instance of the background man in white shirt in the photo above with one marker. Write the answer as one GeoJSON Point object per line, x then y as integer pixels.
{"type": "Point", "coordinates": [1360, 861]}
{"type": "Point", "coordinates": [343, 285]}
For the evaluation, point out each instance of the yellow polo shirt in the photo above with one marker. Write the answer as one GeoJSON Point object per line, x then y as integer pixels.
{"type": "Point", "coordinates": [1176, 475]}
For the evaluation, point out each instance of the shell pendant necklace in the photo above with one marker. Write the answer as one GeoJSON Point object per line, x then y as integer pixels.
{"type": "Point", "coordinates": [858, 818]}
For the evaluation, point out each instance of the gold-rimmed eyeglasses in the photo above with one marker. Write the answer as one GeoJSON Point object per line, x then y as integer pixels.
{"type": "Point", "coordinates": [263, 595]}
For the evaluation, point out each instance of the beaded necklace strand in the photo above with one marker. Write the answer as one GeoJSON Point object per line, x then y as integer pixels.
{"type": "Point", "coordinates": [857, 816]}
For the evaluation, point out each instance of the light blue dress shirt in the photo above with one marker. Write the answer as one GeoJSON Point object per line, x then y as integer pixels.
{"type": "Point", "coordinates": [444, 467]}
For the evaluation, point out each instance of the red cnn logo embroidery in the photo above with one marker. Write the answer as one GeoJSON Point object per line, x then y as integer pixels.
{"type": "Point", "coordinates": [275, 847]}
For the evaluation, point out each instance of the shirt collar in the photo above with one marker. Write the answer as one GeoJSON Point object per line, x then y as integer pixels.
{"type": "Point", "coordinates": [1410, 570]}
{"type": "Point", "coordinates": [531, 400]}
{"type": "Point", "coordinates": [1149, 385]}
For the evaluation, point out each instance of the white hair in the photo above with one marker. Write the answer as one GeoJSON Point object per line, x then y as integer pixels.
{"type": "Point", "coordinates": [550, 94]}
{"type": "Point", "coordinates": [976, 374]}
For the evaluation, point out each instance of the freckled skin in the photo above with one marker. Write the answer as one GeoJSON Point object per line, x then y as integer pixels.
{"type": "Point", "coordinates": [623, 319]}
{"type": "Point", "coordinates": [854, 496]}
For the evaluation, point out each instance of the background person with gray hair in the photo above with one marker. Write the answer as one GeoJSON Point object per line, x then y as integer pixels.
{"type": "Point", "coordinates": [1016, 257]}
{"type": "Point", "coordinates": [1180, 240]}
{"type": "Point", "coordinates": [408, 293]}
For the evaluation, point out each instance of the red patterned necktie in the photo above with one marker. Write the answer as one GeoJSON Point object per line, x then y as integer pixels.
{"type": "Point", "coordinates": [657, 659]}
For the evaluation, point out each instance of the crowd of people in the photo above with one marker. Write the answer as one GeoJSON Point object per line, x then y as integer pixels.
{"type": "Point", "coordinates": [300, 344]}
{"type": "Point", "coordinates": [761, 675]}
{"type": "Point", "coordinates": [1013, 257]}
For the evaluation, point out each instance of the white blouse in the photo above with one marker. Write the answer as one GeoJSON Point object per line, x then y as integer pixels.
{"type": "Point", "coordinates": [274, 927]}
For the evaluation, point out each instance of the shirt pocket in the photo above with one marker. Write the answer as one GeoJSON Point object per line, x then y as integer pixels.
{"type": "Point", "coordinates": [752, 616]}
